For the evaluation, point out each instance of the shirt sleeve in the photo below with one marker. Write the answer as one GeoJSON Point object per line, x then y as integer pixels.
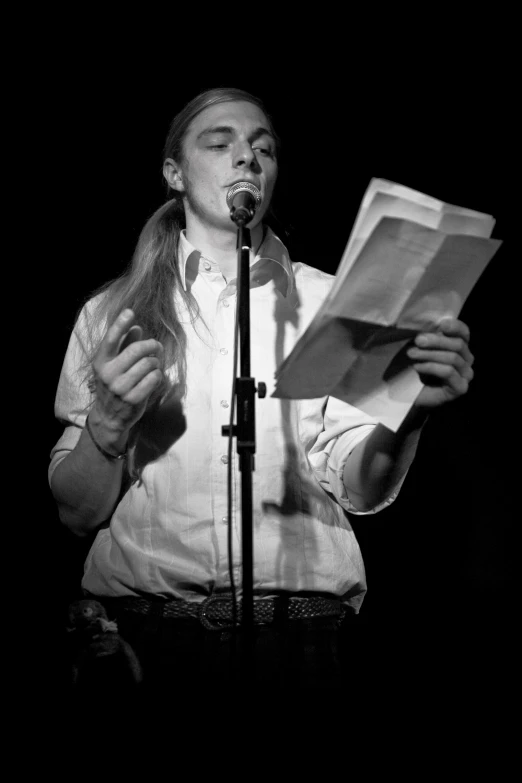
{"type": "Point", "coordinates": [344, 428]}
{"type": "Point", "coordinates": [73, 397]}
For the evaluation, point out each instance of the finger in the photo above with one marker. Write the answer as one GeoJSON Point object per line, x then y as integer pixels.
{"type": "Point", "coordinates": [452, 327]}
{"type": "Point", "coordinates": [133, 353]}
{"type": "Point", "coordinates": [450, 358]}
{"type": "Point", "coordinates": [144, 388]}
{"type": "Point", "coordinates": [110, 343]}
{"type": "Point", "coordinates": [124, 383]}
{"type": "Point", "coordinates": [134, 334]}
{"type": "Point", "coordinates": [445, 374]}
{"type": "Point", "coordinates": [433, 341]}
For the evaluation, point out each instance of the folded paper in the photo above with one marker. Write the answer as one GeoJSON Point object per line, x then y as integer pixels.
{"type": "Point", "coordinates": [411, 260]}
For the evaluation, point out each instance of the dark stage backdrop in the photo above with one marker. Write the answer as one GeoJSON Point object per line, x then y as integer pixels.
{"type": "Point", "coordinates": [440, 560]}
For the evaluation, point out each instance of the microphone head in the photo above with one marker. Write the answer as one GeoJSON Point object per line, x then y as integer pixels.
{"type": "Point", "coordinates": [242, 187]}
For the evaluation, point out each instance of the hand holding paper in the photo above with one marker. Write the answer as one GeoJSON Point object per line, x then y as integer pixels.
{"type": "Point", "coordinates": [443, 361]}
{"type": "Point", "coordinates": [410, 262]}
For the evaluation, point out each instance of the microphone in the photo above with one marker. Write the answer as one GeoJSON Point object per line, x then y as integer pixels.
{"type": "Point", "coordinates": [243, 199]}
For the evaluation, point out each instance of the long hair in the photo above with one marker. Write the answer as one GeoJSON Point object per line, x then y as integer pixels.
{"type": "Point", "coordinates": [152, 282]}
{"type": "Point", "coordinates": [149, 284]}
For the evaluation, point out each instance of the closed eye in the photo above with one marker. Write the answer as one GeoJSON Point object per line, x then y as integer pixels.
{"type": "Point", "coordinates": [264, 150]}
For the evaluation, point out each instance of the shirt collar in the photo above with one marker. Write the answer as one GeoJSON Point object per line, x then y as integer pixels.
{"type": "Point", "coordinates": [271, 250]}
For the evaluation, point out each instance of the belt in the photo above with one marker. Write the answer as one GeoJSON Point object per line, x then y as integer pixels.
{"type": "Point", "coordinates": [215, 613]}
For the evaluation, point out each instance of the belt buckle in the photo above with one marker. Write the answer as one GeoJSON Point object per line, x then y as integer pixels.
{"type": "Point", "coordinates": [204, 619]}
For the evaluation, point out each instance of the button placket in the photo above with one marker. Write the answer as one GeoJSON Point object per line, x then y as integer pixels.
{"type": "Point", "coordinates": [222, 380]}
{"type": "Point", "coordinates": [221, 391]}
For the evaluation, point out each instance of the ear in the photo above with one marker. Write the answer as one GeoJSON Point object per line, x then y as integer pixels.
{"type": "Point", "coordinates": [173, 174]}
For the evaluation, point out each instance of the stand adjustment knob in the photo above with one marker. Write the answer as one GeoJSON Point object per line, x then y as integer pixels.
{"type": "Point", "coordinates": [261, 390]}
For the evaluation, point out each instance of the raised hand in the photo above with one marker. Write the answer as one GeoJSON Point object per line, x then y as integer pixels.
{"type": "Point", "coordinates": [127, 370]}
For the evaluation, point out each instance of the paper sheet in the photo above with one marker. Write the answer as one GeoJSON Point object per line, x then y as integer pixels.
{"type": "Point", "coordinates": [410, 261]}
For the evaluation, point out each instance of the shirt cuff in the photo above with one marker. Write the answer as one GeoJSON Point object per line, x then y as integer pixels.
{"type": "Point", "coordinates": [337, 458]}
{"type": "Point", "coordinates": [70, 437]}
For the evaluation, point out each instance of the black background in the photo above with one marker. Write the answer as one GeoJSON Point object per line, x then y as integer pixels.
{"type": "Point", "coordinates": [433, 114]}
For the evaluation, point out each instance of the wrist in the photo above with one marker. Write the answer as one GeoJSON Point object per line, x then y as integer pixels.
{"type": "Point", "coordinates": [107, 436]}
{"type": "Point", "coordinates": [415, 419]}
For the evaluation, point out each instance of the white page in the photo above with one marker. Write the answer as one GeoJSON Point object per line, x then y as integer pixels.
{"type": "Point", "coordinates": [405, 278]}
{"type": "Point", "coordinates": [387, 199]}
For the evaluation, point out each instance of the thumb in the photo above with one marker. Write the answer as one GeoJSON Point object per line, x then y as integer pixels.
{"type": "Point", "coordinates": [134, 334]}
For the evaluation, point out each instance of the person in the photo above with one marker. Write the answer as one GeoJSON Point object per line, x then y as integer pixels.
{"type": "Point", "coordinates": [142, 464]}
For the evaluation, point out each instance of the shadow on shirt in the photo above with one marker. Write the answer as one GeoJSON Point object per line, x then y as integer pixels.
{"type": "Point", "coordinates": [158, 429]}
{"type": "Point", "coordinates": [300, 492]}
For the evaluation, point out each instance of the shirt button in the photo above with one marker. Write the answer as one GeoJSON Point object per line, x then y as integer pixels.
{"type": "Point", "coordinates": [224, 459]}
{"type": "Point", "coordinates": [224, 404]}
{"type": "Point", "coordinates": [207, 267]}
{"type": "Point", "coordinates": [225, 520]}
{"type": "Point", "coordinates": [225, 303]}
{"type": "Point", "coordinates": [223, 351]}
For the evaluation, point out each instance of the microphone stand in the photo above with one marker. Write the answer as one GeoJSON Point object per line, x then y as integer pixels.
{"type": "Point", "coordinates": [245, 432]}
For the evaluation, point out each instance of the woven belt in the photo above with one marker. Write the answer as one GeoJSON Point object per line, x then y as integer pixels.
{"type": "Point", "coordinates": [215, 613]}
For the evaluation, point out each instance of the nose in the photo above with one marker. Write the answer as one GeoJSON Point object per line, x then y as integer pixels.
{"type": "Point", "coordinates": [244, 157]}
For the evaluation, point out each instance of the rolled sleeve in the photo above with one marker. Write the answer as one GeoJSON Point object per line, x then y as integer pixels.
{"type": "Point", "coordinates": [344, 428]}
{"type": "Point", "coordinates": [65, 445]}
{"type": "Point", "coordinates": [336, 462]}
{"type": "Point", "coordinates": [73, 397]}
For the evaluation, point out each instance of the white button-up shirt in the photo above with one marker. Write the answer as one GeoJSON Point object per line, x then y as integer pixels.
{"type": "Point", "coordinates": [168, 533]}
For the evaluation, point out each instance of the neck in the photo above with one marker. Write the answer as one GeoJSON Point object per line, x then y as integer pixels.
{"type": "Point", "coordinates": [220, 245]}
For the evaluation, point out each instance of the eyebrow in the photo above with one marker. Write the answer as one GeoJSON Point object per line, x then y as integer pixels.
{"type": "Point", "coordinates": [228, 129]}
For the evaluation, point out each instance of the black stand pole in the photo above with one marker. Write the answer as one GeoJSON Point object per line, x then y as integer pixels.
{"type": "Point", "coordinates": [245, 432]}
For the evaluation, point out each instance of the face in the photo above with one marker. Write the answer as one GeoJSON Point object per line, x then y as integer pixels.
{"type": "Point", "coordinates": [225, 144]}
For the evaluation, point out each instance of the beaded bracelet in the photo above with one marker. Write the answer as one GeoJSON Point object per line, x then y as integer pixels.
{"type": "Point", "coordinates": [106, 454]}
